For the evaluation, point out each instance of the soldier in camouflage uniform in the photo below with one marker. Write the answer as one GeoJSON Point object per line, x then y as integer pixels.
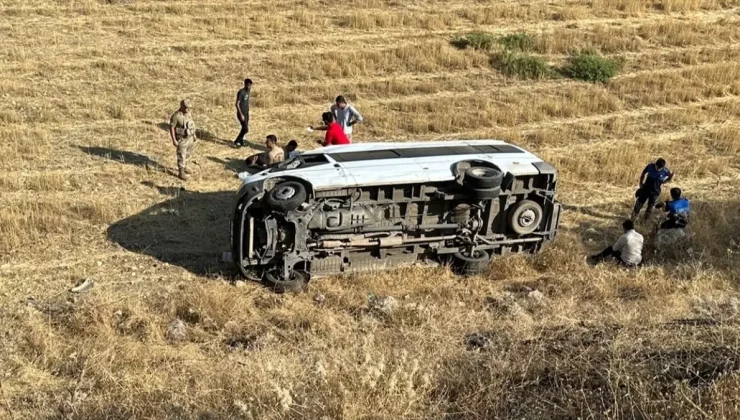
{"type": "Point", "coordinates": [182, 131]}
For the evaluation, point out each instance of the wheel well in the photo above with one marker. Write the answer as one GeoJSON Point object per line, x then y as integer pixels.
{"type": "Point", "coordinates": [272, 182]}
{"type": "Point", "coordinates": [459, 168]}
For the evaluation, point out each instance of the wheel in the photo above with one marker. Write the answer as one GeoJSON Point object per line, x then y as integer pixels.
{"type": "Point", "coordinates": [296, 283]}
{"type": "Point", "coordinates": [466, 264]}
{"type": "Point", "coordinates": [525, 217]}
{"type": "Point", "coordinates": [286, 196]}
{"type": "Point", "coordinates": [483, 194]}
{"type": "Point", "coordinates": [481, 177]}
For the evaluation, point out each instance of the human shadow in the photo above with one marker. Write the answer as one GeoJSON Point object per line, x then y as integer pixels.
{"type": "Point", "coordinates": [189, 230]}
{"type": "Point", "coordinates": [605, 211]}
{"type": "Point", "coordinates": [200, 133]}
{"type": "Point", "coordinates": [170, 191]}
{"type": "Point", "coordinates": [123, 156]}
{"type": "Point", "coordinates": [230, 164]}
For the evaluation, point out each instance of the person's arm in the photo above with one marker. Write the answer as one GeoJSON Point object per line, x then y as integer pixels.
{"type": "Point", "coordinates": [238, 109]}
{"type": "Point", "coordinates": [670, 176]}
{"type": "Point", "coordinates": [356, 117]}
{"type": "Point", "coordinates": [173, 135]}
{"type": "Point", "coordinates": [642, 175]}
{"type": "Point", "coordinates": [621, 242]}
{"type": "Point", "coordinates": [327, 139]}
{"type": "Point", "coordinates": [320, 128]}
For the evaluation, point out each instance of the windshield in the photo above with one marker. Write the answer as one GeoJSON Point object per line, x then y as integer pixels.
{"type": "Point", "coordinates": [299, 161]}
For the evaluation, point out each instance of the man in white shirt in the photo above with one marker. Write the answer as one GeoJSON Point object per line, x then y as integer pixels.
{"type": "Point", "coordinates": [627, 251]}
{"type": "Point", "coordinates": [291, 150]}
{"type": "Point", "coordinates": [345, 115]}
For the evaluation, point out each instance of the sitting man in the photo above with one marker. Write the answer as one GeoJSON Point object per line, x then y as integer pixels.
{"type": "Point", "coordinates": [627, 251]}
{"type": "Point", "coordinates": [272, 156]}
{"type": "Point", "coordinates": [677, 209]}
{"type": "Point", "coordinates": [291, 149]}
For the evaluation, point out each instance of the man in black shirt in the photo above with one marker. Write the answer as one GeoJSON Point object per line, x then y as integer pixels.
{"type": "Point", "coordinates": [242, 111]}
{"type": "Point", "coordinates": [651, 180]}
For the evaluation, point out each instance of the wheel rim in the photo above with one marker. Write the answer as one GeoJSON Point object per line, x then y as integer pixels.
{"type": "Point", "coordinates": [479, 172]}
{"type": "Point", "coordinates": [284, 193]}
{"type": "Point", "coordinates": [527, 218]}
{"type": "Point", "coordinates": [475, 254]}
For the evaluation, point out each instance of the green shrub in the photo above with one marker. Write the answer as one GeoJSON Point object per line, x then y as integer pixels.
{"type": "Point", "coordinates": [477, 40]}
{"type": "Point", "coordinates": [591, 67]}
{"type": "Point", "coordinates": [523, 66]}
{"type": "Point", "coordinates": [517, 42]}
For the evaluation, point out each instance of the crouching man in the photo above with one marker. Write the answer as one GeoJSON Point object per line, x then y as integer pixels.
{"type": "Point", "coordinates": [677, 211]}
{"type": "Point", "coordinates": [672, 231]}
{"type": "Point", "coordinates": [627, 251]}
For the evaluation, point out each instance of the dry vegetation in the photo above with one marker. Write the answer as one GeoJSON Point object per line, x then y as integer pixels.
{"type": "Point", "coordinates": [86, 191]}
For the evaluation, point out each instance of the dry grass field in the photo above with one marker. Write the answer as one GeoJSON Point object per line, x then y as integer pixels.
{"type": "Point", "coordinates": [87, 191]}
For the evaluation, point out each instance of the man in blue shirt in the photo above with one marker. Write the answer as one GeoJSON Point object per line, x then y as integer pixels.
{"type": "Point", "coordinates": [677, 209]}
{"type": "Point", "coordinates": [651, 180]}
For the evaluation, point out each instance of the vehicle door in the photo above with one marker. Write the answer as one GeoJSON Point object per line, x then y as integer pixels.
{"type": "Point", "coordinates": [322, 171]}
{"type": "Point", "coordinates": [380, 167]}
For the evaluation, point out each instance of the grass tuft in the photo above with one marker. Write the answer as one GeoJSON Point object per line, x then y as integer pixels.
{"type": "Point", "coordinates": [522, 66]}
{"type": "Point", "coordinates": [591, 67]}
{"type": "Point", "coordinates": [521, 41]}
{"type": "Point", "coordinates": [477, 40]}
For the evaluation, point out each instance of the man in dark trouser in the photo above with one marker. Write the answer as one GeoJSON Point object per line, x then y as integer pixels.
{"type": "Point", "coordinates": [627, 251]}
{"type": "Point", "coordinates": [651, 180]}
{"type": "Point", "coordinates": [677, 209]}
{"type": "Point", "coordinates": [242, 111]}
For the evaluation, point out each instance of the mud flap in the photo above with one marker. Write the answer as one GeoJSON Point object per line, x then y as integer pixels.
{"type": "Point", "coordinates": [554, 221]}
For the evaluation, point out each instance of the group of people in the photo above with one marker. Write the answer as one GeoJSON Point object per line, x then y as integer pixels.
{"type": "Point", "coordinates": [627, 251]}
{"type": "Point", "coordinates": [337, 123]}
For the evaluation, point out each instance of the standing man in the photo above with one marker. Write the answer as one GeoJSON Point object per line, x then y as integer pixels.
{"type": "Point", "coordinates": [182, 133]}
{"type": "Point", "coordinates": [346, 115]}
{"type": "Point", "coordinates": [627, 251]}
{"type": "Point", "coordinates": [334, 133]}
{"type": "Point", "coordinates": [242, 111]}
{"type": "Point", "coordinates": [651, 180]}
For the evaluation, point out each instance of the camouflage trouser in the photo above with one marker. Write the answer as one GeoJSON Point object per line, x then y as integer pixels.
{"type": "Point", "coordinates": [184, 150]}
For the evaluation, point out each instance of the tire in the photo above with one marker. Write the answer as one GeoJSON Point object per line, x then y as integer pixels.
{"type": "Point", "coordinates": [286, 196]}
{"type": "Point", "coordinates": [483, 194]}
{"type": "Point", "coordinates": [525, 217]}
{"type": "Point", "coordinates": [468, 265]}
{"type": "Point", "coordinates": [297, 282]}
{"type": "Point", "coordinates": [481, 177]}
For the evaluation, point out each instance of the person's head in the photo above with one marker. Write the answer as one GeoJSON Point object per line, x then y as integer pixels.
{"type": "Point", "coordinates": [628, 225]}
{"type": "Point", "coordinates": [341, 102]}
{"type": "Point", "coordinates": [675, 193]}
{"type": "Point", "coordinates": [185, 105]}
{"type": "Point", "coordinates": [271, 141]}
{"type": "Point", "coordinates": [327, 117]}
{"type": "Point", "coordinates": [660, 163]}
{"type": "Point", "coordinates": [247, 84]}
{"type": "Point", "coordinates": [292, 145]}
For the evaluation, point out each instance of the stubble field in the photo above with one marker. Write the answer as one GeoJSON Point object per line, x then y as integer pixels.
{"type": "Point", "coordinates": [87, 191]}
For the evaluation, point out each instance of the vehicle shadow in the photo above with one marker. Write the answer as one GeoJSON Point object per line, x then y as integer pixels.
{"type": "Point", "coordinates": [123, 156]}
{"type": "Point", "coordinates": [189, 230]}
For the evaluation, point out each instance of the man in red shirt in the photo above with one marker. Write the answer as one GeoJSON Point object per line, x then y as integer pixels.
{"type": "Point", "coordinates": [334, 132]}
